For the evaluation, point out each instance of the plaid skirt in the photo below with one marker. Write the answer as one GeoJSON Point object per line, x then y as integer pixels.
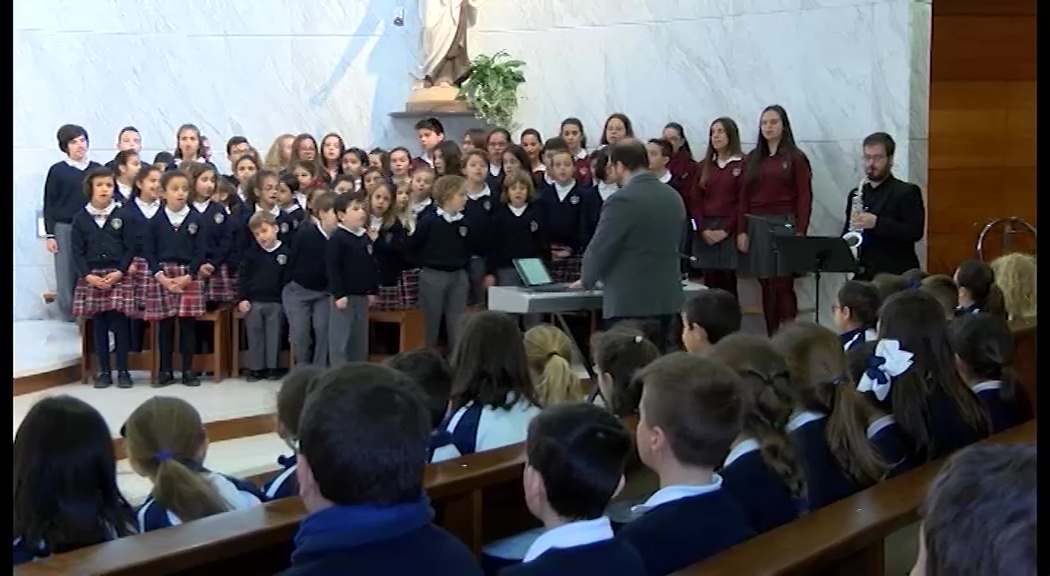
{"type": "Point", "coordinates": [88, 300]}
{"type": "Point", "coordinates": [161, 304]}
{"type": "Point", "coordinates": [221, 286]}
{"type": "Point", "coordinates": [401, 296]}
{"type": "Point", "coordinates": [141, 281]}
{"type": "Point", "coordinates": [567, 270]}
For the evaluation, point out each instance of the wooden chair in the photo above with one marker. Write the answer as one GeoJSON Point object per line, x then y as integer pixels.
{"type": "Point", "coordinates": [137, 361]}
{"type": "Point", "coordinates": [285, 358]}
{"type": "Point", "coordinates": [218, 360]}
{"type": "Point", "coordinates": [411, 329]}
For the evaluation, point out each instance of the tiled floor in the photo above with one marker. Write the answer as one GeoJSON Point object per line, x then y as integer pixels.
{"type": "Point", "coordinates": [44, 346]}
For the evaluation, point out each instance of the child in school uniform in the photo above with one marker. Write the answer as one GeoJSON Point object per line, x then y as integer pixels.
{"type": "Point", "coordinates": [189, 147]}
{"type": "Point", "coordinates": [855, 312]}
{"type": "Point", "coordinates": [175, 249]}
{"type": "Point", "coordinates": [473, 139]}
{"type": "Point", "coordinates": [762, 471]}
{"type": "Point", "coordinates": [136, 215]}
{"type": "Point", "coordinates": [977, 289]}
{"type": "Point", "coordinates": [344, 183]}
{"type": "Point", "coordinates": [532, 143]}
{"type": "Point", "coordinates": [126, 165]}
{"type": "Point", "coordinates": [707, 317]}
{"type": "Point", "coordinates": [419, 191]}
{"type": "Point", "coordinates": [575, 456]}
{"type": "Point", "coordinates": [619, 353]}
{"type": "Point", "coordinates": [715, 196]}
{"type": "Point", "coordinates": [262, 196]}
{"type": "Point", "coordinates": [166, 443]}
{"type": "Point", "coordinates": [984, 354]}
{"type": "Point", "coordinates": [431, 372]}
{"type": "Point", "coordinates": [515, 159]}
{"type": "Point", "coordinates": [441, 246]}
{"type": "Point", "coordinates": [448, 159]}
{"type": "Point", "coordinates": [380, 160]}
{"type": "Point", "coordinates": [301, 172]}
{"type": "Point", "coordinates": [495, 145]}
{"type": "Point", "coordinates": [354, 164]}
{"type": "Point", "coordinates": [162, 160]}
{"type": "Point", "coordinates": [332, 148]}
{"type": "Point", "coordinates": [496, 398]}
{"type": "Point", "coordinates": [575, 138]}
{"type": "Point", "coordinates": [389, 237]}
{"type": "Point", "coordinates": [572, 213]}
{"type": "Point", "coordinates": [262, 277]}
{"type": "Point", "coordinates": [431, 133]}
{"type": "Point", "coordinates": [288, 194]}
{"type": "Point", "coordinates": [353, 280]}
{"type": "Point", "coordinates": [550, 147]}
{"type": "Point", "coordinates": [305, 296]}
{"type": "Point", "coordinates": [100, 247]}
{"type": "Point", "coordinates": [400, 165]}
{"type": "Point", "coordinates": [243, 170]}
{"type": "Point", "coordinates": [944, 291]}
{"type": "Point", "coordinates": [220, 283]}
{"type": "Point", "coordinates": [63, 198]}
{"type": "Point", "coordinates": [690, 517]}
{"type": "Point", "coordinates": [371, 179]}
{"type": "Point", "coordinates": [519, 230]}
{"type": "Point", "coordinates": [290, 401]}
{"type": "Point", "coordinates": [605, 181]}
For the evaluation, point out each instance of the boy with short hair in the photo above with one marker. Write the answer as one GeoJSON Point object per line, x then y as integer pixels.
{"type": "Point", "coordinates": [434, 376]}
{"type": "Point", "coordinates": [363, 440]}
{"type": "Point", "coordinates": [856, 312]}
{"type": "Point", "coordinates": [575, 457]}
{"type": "Point", "coordinates": [431, 133]}
{"type": "Point", "coordinates": [63, 198]}
{"type": "Point", "coordinates": [353, 280]}
{"type": "Point", "coordinates": [689, 415]}
{"type": "Point", "coordinates": [305, 297]}
{"type": "Point", "coordinates": [261, 277]}
{"type": "Point", "coordinates": [944, 290]}
{"type": "Point", "coordinates": [980, 514]}
{"type": "Point", "coordinates": [707, 317]}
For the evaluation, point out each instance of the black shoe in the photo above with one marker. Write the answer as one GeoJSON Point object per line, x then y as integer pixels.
{"type": "Point", "coordinates": [274, 375]}
{"type": "Point", "coordinates": [124, 379]}
{"type": "Point", "coordinates": [254, 375]}
{"type": "Point", "coordinates": [189, 378]}
{"type": "Point", "coordinates": [164, 379]}
{"type": "Point", "coordinates": [103, 380]}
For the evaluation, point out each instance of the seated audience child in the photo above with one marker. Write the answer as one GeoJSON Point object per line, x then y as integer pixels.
{"type": "Point", "coordinates": [166, 442]}
{"type": "Point", "coordinates": [549, 351]}
{"type": "Point", "coordinates": [890, 284]}
{"type": "Point", "coordinates": [978, 291]}
{"type": "Point", "coordinates": [65, 481]}
{"type": "Point", "coordinates": [290, 400]}
{"type": "Point", "coordinates": [984, 355]}
{"type": "Point", "coordinates": [980, 514]}
{"type": "Point", "coordinates": [575, 456]}
{"type": "Point", "coordinates": [618, 354]}
{"type": "Point", "coordinates": [707, 317]}
{"type": "Point", "coordinates": [763, 470]}
{"type": "Point", "coordinates": [1015, 274]}
{"type": "Point", "coordinates": [831, 421]}
{"type": "Point", "coordinates": [492, 391]}
{"type": "Point", "coordinates": [689, 416]}
{"type": "Point", "coordinates": [911, 374]}
{"type": "Point", "coordinates": [262, 276]}
{"type": "Point", "coordinates": [856, 312]}
{"type": "Point", "coordinates": [432, 373]}
{"type": "Point", "coordinates": [944, 291]}
{"type": "Point", "coordinates": [363, 439]}
{"type": "Point", "coordinates": [914, 276]}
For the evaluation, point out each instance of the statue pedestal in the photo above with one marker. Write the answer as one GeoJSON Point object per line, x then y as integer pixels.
{"type": "Point", "coordinates": [436, 99]}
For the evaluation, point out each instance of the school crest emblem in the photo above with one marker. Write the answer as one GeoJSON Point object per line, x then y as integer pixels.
{"type": "Point", "coordinates": [389, 237]}
{"type": "Point", "coordinates": [192, 229]}
{"type": "Point", "coordinates": [574, 200]}
{"type": "Point", "coordinates": [284, 227]}
{"type": "Point", "coordinates": [736, 172]}
{"type": "Point", "coordinates": [219, 218]}
{"type": "Point", "coordinates": [295, 224]}
{"type": "Point", "coordinates": [282, 259]}
{"type": "Point", "coordinates": [463, 231]}
{"type": "Point", "coordinates": [784, 165]}
{"type": "Point", "coordinates": [116, 223]}
{"type": "Point", "coordinates": [487, 205]}
{"type": "Point", "coordinates": [369, 249]}
{"type": "Point", "coordinates": [534, 226]}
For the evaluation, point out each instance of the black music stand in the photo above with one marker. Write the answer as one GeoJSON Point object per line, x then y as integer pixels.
{"type": "Point", "coordinates": [816, 255]}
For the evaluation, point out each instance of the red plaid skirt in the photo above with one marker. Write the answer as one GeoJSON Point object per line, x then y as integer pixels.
{"type": "Point", "coordinates": [221, 286]}
{"type": "Point", "coordinates": [567, 270]}
{"type": "Point", "coordinates": [141, 282]}
{"type": "Point", "coordinates": [402, 296]}
{"type": "Point", "coordinates": [88, 300]}
{"type": "Point", "coordinates": [161, 304]}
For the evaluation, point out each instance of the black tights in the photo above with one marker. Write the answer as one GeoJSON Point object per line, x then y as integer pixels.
{"type": "Point", "coordinates": [102, 324]}
{"type": "Point", "coordinates": [187, 342]}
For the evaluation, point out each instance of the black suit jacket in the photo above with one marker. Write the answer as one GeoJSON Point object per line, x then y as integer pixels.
{"type": "Point", "coordinates": [901, 222]}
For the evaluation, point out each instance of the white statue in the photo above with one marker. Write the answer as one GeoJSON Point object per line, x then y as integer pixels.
{"type": "Point", "coordinates": [444, 56]}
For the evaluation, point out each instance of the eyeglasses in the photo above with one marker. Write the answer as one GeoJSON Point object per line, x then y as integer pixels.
{"type": "Point", "coordinates": [875, 158]}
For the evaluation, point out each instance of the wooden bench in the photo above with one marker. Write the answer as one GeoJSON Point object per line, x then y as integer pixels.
{"type": "Point", "coordinates": [411, 328]}
{"type": "Point", "coordinates": [144, 361]}
{"type": "Point", "coordinates": [1025, 355]}
{"type": "Point", "coordinates": [218, 360]}
{"type": "Point", "coordinates": [845, 537]}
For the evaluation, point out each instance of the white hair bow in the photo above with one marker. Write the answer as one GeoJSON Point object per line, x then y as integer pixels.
{"type": "Point", "coordinates": [888, 362]}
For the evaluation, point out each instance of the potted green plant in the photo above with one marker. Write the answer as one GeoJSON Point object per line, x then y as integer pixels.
{"type": "Point", "coordinates": [491, 87]}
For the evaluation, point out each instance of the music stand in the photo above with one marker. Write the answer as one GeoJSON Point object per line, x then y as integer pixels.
{"type": "Point", "coordinates": [816, 254]}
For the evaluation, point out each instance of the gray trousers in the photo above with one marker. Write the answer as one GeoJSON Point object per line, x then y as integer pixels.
{"type": "Point", "coordinates": [263, 325]}
{"type": "Point", "coordinates": [442, 295]}
{"type": "Point", "coordinates": [476, 274]}
{"type": "Point", "coordinates": [307, 313]}
{"type": "Point", "coordinates": [348, 331]}
{"type": "Point", "coordinates": [509, 277]}
{"type": "Point", "coordinates": [65, 273]}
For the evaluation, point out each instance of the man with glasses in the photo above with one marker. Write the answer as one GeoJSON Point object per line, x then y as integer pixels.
{"type": "Point", "coordinates": [893, 218]}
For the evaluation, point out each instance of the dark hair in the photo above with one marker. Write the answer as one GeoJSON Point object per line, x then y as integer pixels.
{"type": "Point", "coordinates": [979, 280]}
{"type": "Point", "coordinates": [475, 153]}
{"type": "Point", "coordinates": [555, 144]}
{"type": "Point", "coordinates": [292, 395]}
{"type": "Point", "coordinates": [289, 180]}
{"type": "Point", "coordinates": [235, 141]}
{"type": "Point", "coordinates": [489, 363]}
{"type": "Point", "coordinates": [881, 139]}
{"type": "Point", "coordinates": [621, 352]}
{"type": "Point", "coordinates": [985, 344]}
{"type": "Point", "coordinates": [477, 137]}
{"type": "Point", "coordinates": [914, 276]}
{"type": "Point", "coordinates": [787, 148]}
{"type": "Point", "coordinates": [580, 451]}
{"type": "Point", "coordinates": [364, 434]}
{"type": "Point", "coordinates": [917, 321]}
{"type": "Point", "coordinates": [126, 129]}
{"type": "Point", "coordinates": [979, 517]}
{"type": "Point", "coordinates": [164, 157]}
{"type": "Point", "coordinates": [821, 382]}
{"type": "Point", "coordinates": [295, 151]}
{"type": "Point", "coordinates": [343, 202]}
{"type": "Point", "coordinates": [520, 154]}
{"type": "Point", "coordinates": [944, 290]}
{"type": "Point", "coordinates": [497, 130]}
{"type": "Point", "coordinates": [200, 141]}
{"type": "Point", "coordinates": [631, 153]}
{"type": "Point", "coordinates": [666, 150]}
{"type": "Point", "coordinates": [140, 177]}
{"type": "Point", "coordinates": [628, 128]}
{"type": "Point", "coordinates": [94, 174]}
{"type": "Point", "coordinates": [569, 122]}
{"type": "Point", "coordinates": [384, 159]}
{"type": "Point", "coordinates": [863, 302]}
{"type": "Point", "coordinates": [452, 156]}
{"type": "Point", "coordinates": [121, 159]}
{"type": "Point", "coordinates": [732, 135]}
{"type": "Point", "coordinates": [65, 479]}
{"type": "Point", "coordinates": [362, 156]}
{"type": "Point", "coordinates": [600, 160]}
{"type": "Point", "coordinates": [696, 402]}
{"type": "Point", "coordinates": [68, 133]}
{"type": "Point", "coordinates": [197, 169]}
{"type": "Point", "coordinates": [251, 197]}
{"type": "Point", "coordinates": [681, 132]}
{"type": "Point", "coordinates": [338, 159]}
{"type": "Point", "coordinates": [246, 157]}
{"type": "Point", "coordinates": [432, 373]}
{"type": "Point", "coordinates": [344, 178]}
{"type": "Point", "coordinates": [889, 284]}
{"type": "Point", "coordinates": [432, 124]}
{"type": "Point", "coordinates": [323, 202]}
{"type": "Point", "coordinates": [400, 149]}
{"type": "Point", "coordinates": [764, 385]}
{"type": "Point", "coordinates": [716, 311]}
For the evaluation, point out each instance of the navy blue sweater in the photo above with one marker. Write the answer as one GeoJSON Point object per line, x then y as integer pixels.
{"type": "Point", "coordinates": [183, 245]}
{"type": "Point", "coordinates": [99, 248]}
{"type": "Point", "coordinates": [478, 213]}
{"type": "Point", "coordinates": [612, 557]}
{"type": "Point", "coordinates": [515, 237]}
{"type": "Point", "coordinates": [64, 193]}
{"type": "Point", "coordinates": [1002, 415]}
{"type": "Point", "coordinates": [352, 269]}
{"type": "Point", "coordinates": [826, 482]}
{"type": "Point", "coordinates": [440, 244]}
{"type": "Point", "coordinates": [309, 258]}
{"type": "Point", "coordinates": [762, 494]}
{"type": "Point", "coordinates": [391, 252]}
{"type": "Point", "coordinates": [682, 532]}
{"type": "Point", "coordinates": [218, 233]}
{"type": "Point", "coordinates": [891, 445]}
{"type": "Point", "coordinates": [569, 221]}
{"type": "Point", "coordinates": [135, 228]}
{"type": "Point", "coordinates": [285, 484]}
{"type": "Point", "coordinates": [263, 274]}
{"type": "Point", "coordinates": [395, 539]}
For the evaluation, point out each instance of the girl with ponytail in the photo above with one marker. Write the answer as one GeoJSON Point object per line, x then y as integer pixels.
{"type": "Point", "coordinates": [549, 352]}
{"type": "Point", "coordinates": [978, 291]}
{"type": "Point", "coordinates": [984, 356]}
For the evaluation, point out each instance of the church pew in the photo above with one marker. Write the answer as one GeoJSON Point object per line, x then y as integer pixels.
{"type": "Point", "coordinates": [1025, 355]}
{"type": "Point", "coordinates": [845, 537]}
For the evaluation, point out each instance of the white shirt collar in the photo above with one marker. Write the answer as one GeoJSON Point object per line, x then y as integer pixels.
{"type": "Point", "coordinates": [103, 213]}
{"type": "Point", "coordinates": [275, 247]}
{"type": "Point", "coordinates": [880, 423]}
{"type": "Point", "coordinates": [450, 218]}
{"type": "Point", "coordinates": [666, 177]}
{"type": "Point", "coordinates": [294, 206]}
{"type": "Point", "coordinates": [125, 190]}
{"type": "Point", "coordinates": [518, 211]}
{"type": "Point", "coordinates": [495, 169]}
{"type": "Point", "coordinates": [986, 386]}
{"type": "Point", "coordinates": [746, 446]}
{"type": "Point", "coordinates": [321, 228]}
{"type": "Point", "coordinates": [240, 194]}
{"type": "Point", "coordinates": [148, 209]}
{"type": "Point", "coordinates": [276, 210]}
{"type": "Point", "coordinates": [477, 195]}
{"type": "Point", "coordinates": [869, 335]}
{"type": "Point", "coordinates": [300, 199]}
{"type": "Point", "coordinates": [563, 190]}
{"type": "Point", "coordinates": [579, 533]}
{"type": "Point", "coordinates": [202, 206]}
{"type": "Point", "coordinates": [176, 218]}
{"type": "Point", "coordinates": [605, 190]}
{"type": "Point", "coordinates": [82, 165]}
{"type": "Point", "coordinates": [375, 223]}
{"type": "Point", "coordinates": [723, 162]}
{"type": "Point", "coordinates": [415, 209]}
{"type": "Point", "coordinates": [359, 232]}
{"type": "Point", "coordinates": [581, 155]}
{"type": "Point", "coordinates": [800, 419]}
{"type": "Point", "coordinates": [672, 493]}
{"type": "Point", "coordinates": [428, 159]}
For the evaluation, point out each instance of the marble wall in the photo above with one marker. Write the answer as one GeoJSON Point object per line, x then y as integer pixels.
{"type": "Point", "coordinates": [842, 68]}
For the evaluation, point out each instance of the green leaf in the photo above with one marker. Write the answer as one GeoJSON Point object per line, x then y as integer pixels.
{"type": "Point", "coordinates": [491, 87]}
